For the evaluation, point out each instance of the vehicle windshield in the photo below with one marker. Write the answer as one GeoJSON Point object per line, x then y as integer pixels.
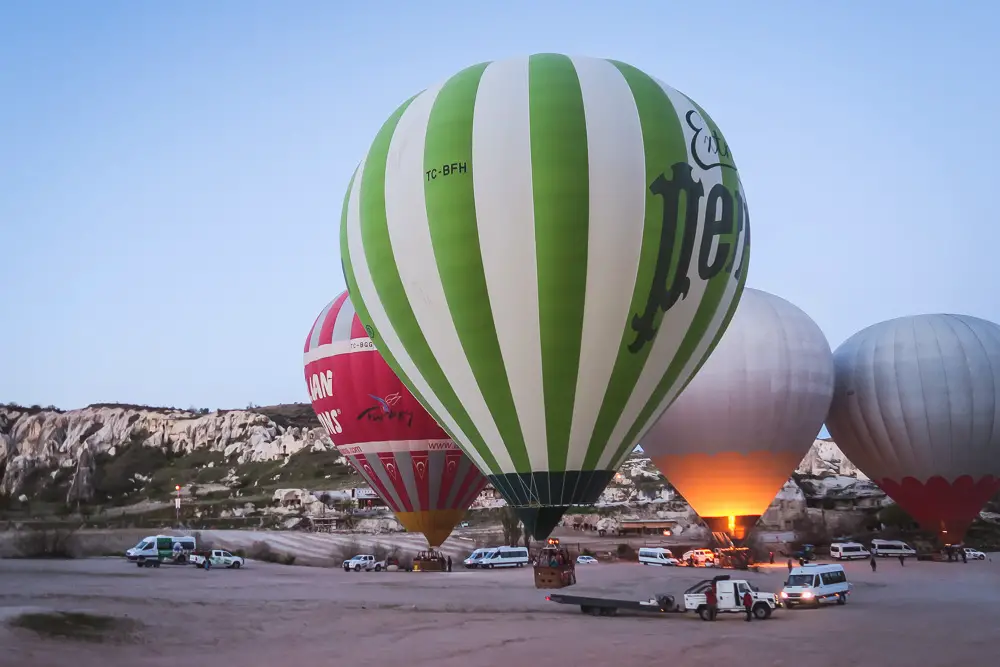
{"type": "Point", "coordinates": [800, 580]}
{"type": "Point", "coordinates": [142, 546]}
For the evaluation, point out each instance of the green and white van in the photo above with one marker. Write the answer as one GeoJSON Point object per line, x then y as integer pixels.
{"type": "Point", "coordinates": [156, 549]}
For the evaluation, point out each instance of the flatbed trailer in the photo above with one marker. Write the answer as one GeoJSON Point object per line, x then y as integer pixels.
{"type": "Point", "coordinates": [661, 604]}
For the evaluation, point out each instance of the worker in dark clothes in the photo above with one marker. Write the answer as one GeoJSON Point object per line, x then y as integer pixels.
{"type": "Point", "coordinates": [902, 560]}
{"type": "Point", "coordinates": [790, 566]}
{"type": "Point", "coordinates": [712, 600]}
{"type": "Point", "coordinates": [771, 556]}
{"type": "Point", "coordinates": [873, 563]}
{"type": "Point", "coordinates": [965, 558]}
{"type": "Point", "coordinates": [449, 563]}
{"type": "Point", "coordinates": [748, 605]}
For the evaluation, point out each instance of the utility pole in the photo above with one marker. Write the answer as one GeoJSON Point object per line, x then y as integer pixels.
{"type": "Point", "coordinates": [177, 505]}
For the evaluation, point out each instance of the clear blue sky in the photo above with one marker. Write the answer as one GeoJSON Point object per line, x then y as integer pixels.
{"type": "Point", "coordinates": [171, 174]}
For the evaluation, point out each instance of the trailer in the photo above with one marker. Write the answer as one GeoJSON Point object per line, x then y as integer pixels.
{"type": "Point", "coordinates": [728, 592]}
{"type": "Point", "coordinates": [659, 604]}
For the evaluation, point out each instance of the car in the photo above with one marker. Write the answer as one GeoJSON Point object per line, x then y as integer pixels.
{"type": "Point", "coordinates": [705, 557]}
{"type": "Point", "coordinates": [217, 558]}
{"type": "Point", "coordinates": [974, 554]}
{"type": "Point", "coordinates": [586, 560]}
{"type": "Point", "coordinates": [364, 562]}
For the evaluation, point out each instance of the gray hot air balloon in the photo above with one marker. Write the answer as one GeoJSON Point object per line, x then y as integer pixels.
{"type": "Point", "coordinates": [917, 409]}
{"type": "Point", "coordinates": [739, 429]}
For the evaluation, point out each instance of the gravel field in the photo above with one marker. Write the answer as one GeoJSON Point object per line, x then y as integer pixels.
{"type": "Point", "coordinates": [921, 615]}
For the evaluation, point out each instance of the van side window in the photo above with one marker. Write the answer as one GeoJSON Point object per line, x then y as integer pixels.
{"type": "Point", "coordinates": [830, 578]}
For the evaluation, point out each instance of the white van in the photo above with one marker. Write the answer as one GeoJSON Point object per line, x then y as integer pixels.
{"type": "Point", "coordinates": [505, 557]}
{"type": "Point", "coordinates": [656, 556]}
{"type": "Point", "coordinates": [475, 558]}
{"type": "Point", "coordinates": [848, 550]}
{"type": "Point", "coordinates": [813, 584]}
{"type": "Point", "coordinates": [153, 550]}
{"type": "Point", "coordinates": [892, 548]}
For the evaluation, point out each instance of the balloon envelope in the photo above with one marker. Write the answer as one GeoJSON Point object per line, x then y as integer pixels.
{"type": "Point", "coordinates": [524, 241]}
{"type": "Point", "coordinates": [917, 409]}
{"type": "Point", "coordinates": [739, 429]}
{"type": "Point", "coordinates": [374, 421]}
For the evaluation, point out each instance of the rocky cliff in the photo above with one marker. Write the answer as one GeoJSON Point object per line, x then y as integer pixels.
{"type": "Point", "coordinates": [116, 454]}
{"type": "Point", "coordinates": [103, 453]}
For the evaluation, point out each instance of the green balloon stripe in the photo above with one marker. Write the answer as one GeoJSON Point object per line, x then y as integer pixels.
{"type": "Point", "coordinates": [664, 145]}
{"type": "Point", "coordinates": [379, 257]}
{"type": "Point", "coordinates": [559, 179]}
{"type": "Point", "coordinates": [702, 326]}
{"type": "Point", "coordinates": [365, 317]}
{"type": "Point", "coordinates": [451, 215]}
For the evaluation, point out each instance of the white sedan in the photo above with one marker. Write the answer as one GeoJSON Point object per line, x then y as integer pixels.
{"type": "Point", "coordinates": [973, 554]}
{"type": "Point", "coordinates": [586, 560]}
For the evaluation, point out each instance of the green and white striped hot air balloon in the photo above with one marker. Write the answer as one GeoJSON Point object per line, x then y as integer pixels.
{"type": "Point", "coordinates": [545, 249]}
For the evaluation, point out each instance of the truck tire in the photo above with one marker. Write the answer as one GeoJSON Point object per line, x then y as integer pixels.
{"type": "Point", "coordinates": [585, 609]}
{"type": "Point", "coordinates": [378, 567]}
{"type": "Point", "coordinates": [236, 565]}
{"type": "Point", "coordinates": [704, 613]}
{"type": "Point", "coordinates": [761, 611]}
{"type": "Point", "coordinates": [156, 563]}
{"type": "Point", "coordinates": [180, 560]}
{"type": "Point", "coordinates": [138, 563]}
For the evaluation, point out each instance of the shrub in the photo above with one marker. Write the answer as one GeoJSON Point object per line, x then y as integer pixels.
{"type": "Point", "coordinates": [347, 551]}
{"type": "Point", "coordinates": [626, 552]}
{"type": "Point", "coordinates": [262, 551]}
{"type": "Point", "coordinates": [46, 543]}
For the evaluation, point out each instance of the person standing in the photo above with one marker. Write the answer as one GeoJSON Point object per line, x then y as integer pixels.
{"type": "Point", "coordinates": [873, 563]}
{"type": "Point", "coordinates": [790, 566]}
{"type": "Point", "coordinates": [748, 605]}
{"type": "Point", "coordinates": [902, 560]}
{"type": "Point", "coordinates": [712, 600]}
{"type": "Point", "coordinates": [770, 555]}
{"type": "Point", "coordinates": [449, 563]}
{"type": "Point", "coordinates": [965, 558]}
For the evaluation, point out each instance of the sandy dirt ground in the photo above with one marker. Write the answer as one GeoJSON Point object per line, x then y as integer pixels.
{"type": "Point", "coordinates": [924, 614]}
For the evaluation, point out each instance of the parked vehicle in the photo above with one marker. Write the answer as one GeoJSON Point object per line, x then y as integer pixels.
{"type": "Point", "coordinates": [814, 584]}
{"type": "Point", "coordinates": [505, 557]}
{"type": "Point", "coordinates": [364, 562]}
{"type": "Point", "coordinates": [730, 600]}
{"type": "Point", "coordinates": [729, 594]}
{"type": "Point", "coordinates": [704, 557]}
{"type": "Point", "coordinates": [848, 550]}
{"type": "Point", "coordinates": [892, 548]}
{"type": "Point", "coordinates": [156, 549]}
{"type": "Point", "coordinates": [973, 554]}
{"type": "Point", "coordinates": [475, 558]}
{"type": "Point", "coordinates": [656, 556]}
{"type": "Point", "coordinates": [217, 558]}
{"type": "Point", "coordinates": [586, 560]}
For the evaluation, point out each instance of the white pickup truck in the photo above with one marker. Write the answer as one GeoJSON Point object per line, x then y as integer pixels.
{"type": "Point", "coordinates": [730, 598]}
{"type": "Point", "coordinates": [364, 562]}
{"type": "Point", "coordinates": [218, 558]}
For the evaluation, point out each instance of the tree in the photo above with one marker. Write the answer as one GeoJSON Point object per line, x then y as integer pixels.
{"type": "Point", "coordinates": [512, 530]}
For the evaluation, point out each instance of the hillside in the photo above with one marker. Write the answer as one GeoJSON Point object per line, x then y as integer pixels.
{"type": "Point", "coordinates": [119, 459]}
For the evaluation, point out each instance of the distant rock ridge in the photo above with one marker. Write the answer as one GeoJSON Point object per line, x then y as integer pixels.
{"type": "Point", "coordinates": [69, 444]}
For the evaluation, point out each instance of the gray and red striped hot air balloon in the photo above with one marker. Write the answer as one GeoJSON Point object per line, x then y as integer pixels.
{"type": "Point", "coordinates": [389, 438]}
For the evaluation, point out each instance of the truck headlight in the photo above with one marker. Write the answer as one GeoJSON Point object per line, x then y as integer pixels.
{"type": "Point", "coordinates": [784, 594]}
{"type": "Point", "coordinates": [807, 595]}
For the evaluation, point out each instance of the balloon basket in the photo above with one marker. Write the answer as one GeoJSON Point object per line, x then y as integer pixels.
{"type": "Point", "coordinates": [554, 567]}
{"type": "Point", "coordinates": [554, 577]}
{"type": "Point", "coordinates": [429, 561]}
